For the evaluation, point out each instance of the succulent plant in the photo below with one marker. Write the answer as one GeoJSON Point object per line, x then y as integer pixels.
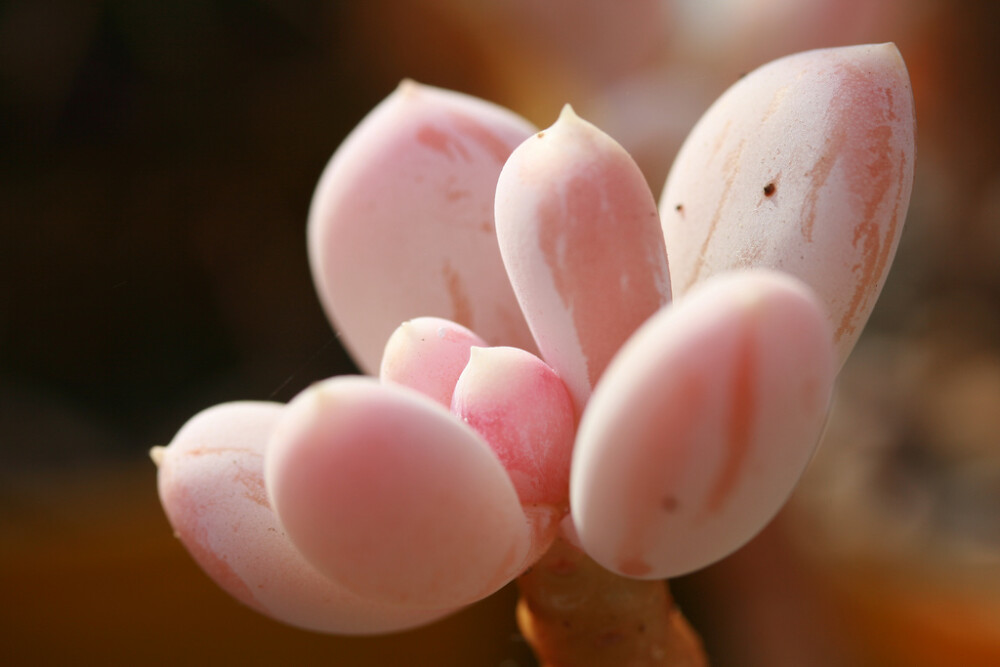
{"type": "Point", "coordinates": [567, 373]}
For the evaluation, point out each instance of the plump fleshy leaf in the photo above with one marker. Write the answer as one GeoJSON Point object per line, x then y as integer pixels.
{"type": "Point", "coordinates": [428, 354]}
{"type": "Point", "coordinates": [401, 223]}
{"type": "Point", "coordinates": [211, 484]}
{"type": "Point", "coordinates": [806, 166]}
{"type": "Point", "coordinates": [580, 238]}
{"type": "Point", "coordinates": [522, 409]}
{"type": "Point", "coordinates": [384, 491]}
{"type": "Point", "coordinates": [702, 425]}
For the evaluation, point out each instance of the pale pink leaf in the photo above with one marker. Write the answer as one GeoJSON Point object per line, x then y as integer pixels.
{"type": "Point", "coordinates": [702, 425]}
{"type": "Point", "coordinates": [580, 238]}
{"type": "Point", "coordinates": [428, 354]}
{"type": "Point", "coordinates": [806, 166]}
{"type": "Point", "coordinates": [522, 409]}
{"type": "Point", "coordinates": [401, 223]}
{"type": "Point", "coordinates": [211, 485]}
{"type": "Point", "coordinates": [384, 491]}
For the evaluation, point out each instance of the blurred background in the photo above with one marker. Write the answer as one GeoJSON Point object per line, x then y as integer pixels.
{"type": "Point", "coordinates": [156, 165]}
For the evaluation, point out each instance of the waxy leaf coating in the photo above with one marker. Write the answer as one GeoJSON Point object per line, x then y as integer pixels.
{"type": "Point", "coordinates": [805, 166]}
{"type": "Point", "coordinates": [702, 425]}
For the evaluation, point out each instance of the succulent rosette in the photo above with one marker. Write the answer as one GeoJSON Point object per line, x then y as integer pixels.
{"type": "Point", "coordinates": [556, 355]}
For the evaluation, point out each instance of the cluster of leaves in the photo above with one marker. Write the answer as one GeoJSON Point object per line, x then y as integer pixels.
{"type": "Point", "coordinates": [646, 382]}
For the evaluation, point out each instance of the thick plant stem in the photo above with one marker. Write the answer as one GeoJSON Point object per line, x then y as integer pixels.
{"type": "Point", "coordinates": [574, 613]}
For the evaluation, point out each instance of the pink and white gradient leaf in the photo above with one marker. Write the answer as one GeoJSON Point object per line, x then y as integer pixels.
{"type": "Point", "coordinates": [522, 408]}
{"type": "Point", "coordinates": [428, 354]}
{"type": "Point", "coordinates": [401, 223]}
{"type": "Point", "coordinates": [580, 239]}
{"type": "Point", "coordinates": [702, 425]}
{"type": "Point", "coordinates": [805, 166]}
{"type": "Point", "coordinates": [385, 492]}
{"type": "Point", "coordinates": [211, 485]}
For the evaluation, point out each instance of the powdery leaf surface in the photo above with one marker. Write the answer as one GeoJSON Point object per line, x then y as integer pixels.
{"type": "Point", "coordinates": [401, 223]}
{"type": "Point", "coordinates": [428, 354]}
{"type": "Point", "coordinates": [522, 409]}
{"type": "Point", "coordinates": [385, 492]}
{"type": "Point", "coordinates": [580, 238]}
{"type": "Point", "coordinates": [702, 425]}
{"type": "Point", "coordinates": [806, 166]}
{"type": "Point", "coordinates": [211, 484]}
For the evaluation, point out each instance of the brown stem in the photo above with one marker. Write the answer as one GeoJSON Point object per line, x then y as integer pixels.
{"type": "Point", "coordinates": [574, 613]}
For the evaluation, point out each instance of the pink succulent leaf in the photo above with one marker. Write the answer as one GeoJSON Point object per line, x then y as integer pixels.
{"type": "Point", "coordinates": [428, 354]}
{"type": "Point", "coordinates": [384, 491]}
{"type": "Point", "coordinates": [211, 484]}
{"type": "Point", "coordinates": [702, 425]}
{"type": "Point", "coordinates": [806, 166]}
{"type": "Point", "coordinates": [580, 239]}
{"type": "Point", "coordinates": [401, 223]}
{"type": "Point", "coordinates": [523, 410]}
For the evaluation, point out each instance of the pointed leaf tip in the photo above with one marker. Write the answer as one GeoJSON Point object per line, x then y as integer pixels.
{"type": "Point", "coordinates": [580, 239]}
{"type": "Point", "coordinates": [157, 453]}
{"type": "Point", "coordinates": [568, 113]}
